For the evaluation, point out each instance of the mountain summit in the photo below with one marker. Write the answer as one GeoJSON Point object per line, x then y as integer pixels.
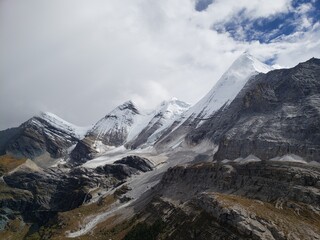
{"type": "Point", "coordinates": [157, 123]}
{"type": "Point", "coordinates": [42, 135]}
{"type": "Point", "coordinates": [228, 86]}
{"type": "Point", "coordinates": [221, 95]}
{"type": "Point", "coordinates": [114, 128]}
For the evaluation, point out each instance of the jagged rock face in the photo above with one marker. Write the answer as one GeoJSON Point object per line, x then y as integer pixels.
{"type": "Point", "coordinates": [54, 189]}
{"type": "Point", "coordinates": [255, 200]}
{"type": "Point", "coordinates": [5, 137]}
{"type": "Point", "coordinates": [267, 181]}
{"type": "Point", "coordinates": [184, 221]}
{"type": "Point", "coordinates": [40, 135]}
{"type": "Point", "coordinates": [275, 114]}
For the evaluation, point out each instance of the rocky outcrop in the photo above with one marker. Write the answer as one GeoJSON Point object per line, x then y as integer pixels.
{"type": "Point", "coordinates": [275, 114]}
{"type": "Point", "coordinates": [126, 167]}
{"type": "Point", "coordinates": [39, 194]}
{"type": "Point", "coordinates": [140, 163]}
{"type": "Point", "coordinates": [260, 220]}
{"type": "Point", "coordinates": [6, 136]}
{"type": "Point", "coordinates": [237, 200]}
{"type": "Point", "coordinates": [83, 151]}
{"type": "Point", "coordinates": [264, 180]}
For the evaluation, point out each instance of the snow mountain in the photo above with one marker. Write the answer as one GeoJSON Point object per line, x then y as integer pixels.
{"type": "Point", "coordinates": [114, 128]}
{"type": "Point", "coordinates": [158, 122]}
{"type": "Point", "coordinates": [221, 95]}
{"type": "Point", "coordinates": [44, 134]}
{"type": "Point", "coordinates": [228, 86]}
{"type": "Point", "coordinates": [61, 124]}
{"type": "Point", "coordinates": [129, 127]}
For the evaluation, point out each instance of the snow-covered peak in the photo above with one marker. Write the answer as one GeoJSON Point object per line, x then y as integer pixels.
{"type": "Point", "coordinates": [149, 127]}
{"type": "Point", "coordinates": [117, 122]}
{"type": "Point", "coordinates": [62, 124]}
{"type": "Point", "coordinates": [228, 86]}
{"type": "Point", "coordinates": [171, 108]}
{"type": "Point", "coordinates": [127, 107]}
{"type": "Point", "coordinates": [247, 60]}
{"type": "Point", "coordinates": [54, 119]}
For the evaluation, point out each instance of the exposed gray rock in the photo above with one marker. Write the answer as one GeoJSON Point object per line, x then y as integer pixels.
{"type": "Point", "coordinates": [140, 163]}
{"type": "Point", "coordinates": [39, 195]}
{"type": "Point", "coordinates": [255, 200]}
{"type": "Point", "coordinates": [126, 167]}
{"type": "Point", "coordinates": [6, 137]}
{"type": "Point", "coordinates": [275, 114]}
{"type": "Point", "coordinates": [83, 151]}
{"type": "Point", "coordinates": [266, 180]}
{"type": "Point", "coordinates": [38, 136]}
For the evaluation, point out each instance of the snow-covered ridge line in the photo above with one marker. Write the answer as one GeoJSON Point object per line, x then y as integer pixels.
{"type": "Point", "coordinates": [127, 126]}
{"type": "Point", "coordinates": [63, 125]}
{"type": "Point", "coordinates": [126, 122]}
{"type": "Point", "coordinates": [228, 86]}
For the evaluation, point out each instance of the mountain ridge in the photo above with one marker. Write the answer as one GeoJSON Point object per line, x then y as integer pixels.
{"type": "Point", "coordinates": [249, 170]}
{"type": "Point", "coordinates": [220, 95]}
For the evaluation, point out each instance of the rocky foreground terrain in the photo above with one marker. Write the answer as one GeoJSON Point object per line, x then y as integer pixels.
{"type": "Point", "coordinates": [242, 165]}
{"type": "Point", "coordinates": [253, 200]}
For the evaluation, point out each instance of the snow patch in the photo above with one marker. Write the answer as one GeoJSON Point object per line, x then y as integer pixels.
{"type": "Point", "coordinates": [248, 159]}
{"type": "Point", "coordinates": [115, 154]}
{"type": "Point", "coordinates": [289, 158]}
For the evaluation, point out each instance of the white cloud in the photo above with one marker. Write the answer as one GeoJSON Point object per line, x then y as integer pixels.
{"type": "Point", "coordinates": [79, 59]}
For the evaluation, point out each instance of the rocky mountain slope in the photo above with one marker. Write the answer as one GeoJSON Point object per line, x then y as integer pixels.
{"type": "Point", "coordinates": [235, 200]}
{"type": "Point", "coordinates": [38, 195]}
{"type": "Point", "coordinates": [42, 134]}
{"type": "Point", "coordinates": [275, 114]}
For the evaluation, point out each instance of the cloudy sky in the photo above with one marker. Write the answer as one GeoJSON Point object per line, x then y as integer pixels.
{"type": "Point", "coordinates": [81, 58]}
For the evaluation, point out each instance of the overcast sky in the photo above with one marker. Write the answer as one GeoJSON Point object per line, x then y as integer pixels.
{"type": "Point", "coordinates": [80, 59]}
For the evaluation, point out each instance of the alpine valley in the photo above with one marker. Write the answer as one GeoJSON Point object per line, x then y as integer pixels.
{"type": "Point", "coordinates": [242, 163]}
